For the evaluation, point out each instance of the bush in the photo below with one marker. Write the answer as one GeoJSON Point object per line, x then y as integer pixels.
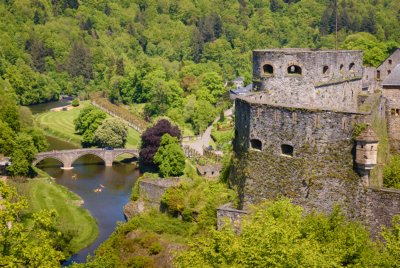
{"type": "Point", "coordinates": [155, 248]}
{"type": "Point", "coordinates": [75, 103]}
{"type": "Point", "coordinates": [391, 173]}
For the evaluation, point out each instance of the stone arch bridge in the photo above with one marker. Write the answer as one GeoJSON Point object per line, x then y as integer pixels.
{"type": "Point", "coordinates": [68, 157]}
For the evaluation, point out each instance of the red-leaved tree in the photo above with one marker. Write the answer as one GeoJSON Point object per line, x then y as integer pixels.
{"type": "Point", "coordinates": [151, 139]}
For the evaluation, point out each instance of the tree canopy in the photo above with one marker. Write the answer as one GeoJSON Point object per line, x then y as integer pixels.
{"type": "Point", "coordinates": [279, 235]}
{"type": "Point", "coordinates": [151, 139]}
{"type": "Point", "coordinates": [170, 157]}
{"type": "Point", "coordinates": [112, 132]}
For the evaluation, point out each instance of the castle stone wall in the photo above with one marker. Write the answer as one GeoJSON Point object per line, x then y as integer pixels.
{"type": "Point", "coordinates": [388, 65]}
{"type": "Point", "coordinates": [392, 96]}
{"type": "Point", "coordinates": [325, 76]}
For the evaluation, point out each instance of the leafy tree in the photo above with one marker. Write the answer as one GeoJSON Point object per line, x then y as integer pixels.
{"type": "Point", "coordinates": [88, 120]}
{"type": "Point", "coordinates": [111, 133]}
{"type": "Point", "coordinates": [204, 113]}
{"type": "Point", "coordinates": [30, 243]}
{"type": "Point", "coordinates": [151, 139]}
{"type": "Point", "coordinates": [170, 157]}
{"type": "Point", "coordinates": [279, 235]}
{"type": "Point", "coordinates": [7, 139]}
{"type": "Point", "coordinates": [38, 138]}
{"type": "Point", "coordinates": [80, 61]}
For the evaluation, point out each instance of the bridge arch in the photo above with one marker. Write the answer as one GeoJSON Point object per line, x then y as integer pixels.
{"type": "Point", "coordinates": [133, 154]}
{"type": "Point", "coordinates": [38, 160]}
{"type": "Point", "coordinates": [75, 158]}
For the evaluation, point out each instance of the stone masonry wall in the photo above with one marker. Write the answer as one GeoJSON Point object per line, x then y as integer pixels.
{"type": "Point", "coordinates": [319, 175]}
{"type": "Point", "coordinates": [388, 65]}
{"type": "Point", "coordinates": [392, 96]}
{"type": "Point", "coordinates": [328, 78]}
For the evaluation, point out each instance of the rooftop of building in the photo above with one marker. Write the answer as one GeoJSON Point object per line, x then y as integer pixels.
{"type": "Point", "coordinates": [368, 135]}
{"type": "Point", "coordinates": [393, 79]}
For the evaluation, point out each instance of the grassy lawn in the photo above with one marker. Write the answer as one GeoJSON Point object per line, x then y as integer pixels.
{"type": "Point", "coordinates": [61, 125]}
{"type": "Point", "coordinates": [44, 193]}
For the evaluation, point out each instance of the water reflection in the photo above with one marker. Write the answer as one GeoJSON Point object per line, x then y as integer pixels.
{"type": "Point", "coordinates": [89, 173]}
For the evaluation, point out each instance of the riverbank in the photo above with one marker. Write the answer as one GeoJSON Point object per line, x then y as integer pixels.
{"type": "Point", "coordinates": [60, 124]}
{"type": "Point", "coordinates": [44, 193]}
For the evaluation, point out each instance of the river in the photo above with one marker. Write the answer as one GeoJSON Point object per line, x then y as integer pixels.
{"type": "Point", "coordinates": [88, 174]}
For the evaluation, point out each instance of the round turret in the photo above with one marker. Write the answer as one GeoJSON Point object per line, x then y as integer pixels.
{"type": "Point", "coordinates": [366, 149]}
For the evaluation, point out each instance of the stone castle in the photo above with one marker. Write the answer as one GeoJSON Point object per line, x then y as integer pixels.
{"type": "Point", "coordinates": [315, 128]}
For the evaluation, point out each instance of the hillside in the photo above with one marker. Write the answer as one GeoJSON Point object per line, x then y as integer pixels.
{"type": "Point", "coordinates": [172, 55]}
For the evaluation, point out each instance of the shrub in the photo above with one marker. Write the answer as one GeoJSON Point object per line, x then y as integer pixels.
{"type": "Point", "coordinates": [75, 103]}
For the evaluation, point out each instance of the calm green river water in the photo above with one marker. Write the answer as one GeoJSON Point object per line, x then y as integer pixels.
{"type": "Point", "coordinates": [90, 172]}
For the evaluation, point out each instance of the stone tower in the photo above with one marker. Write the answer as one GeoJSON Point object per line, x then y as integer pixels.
{"type": "Point", "coordinates": [303, 77]}
{"type": "Point", "coordinates": [366, 153]}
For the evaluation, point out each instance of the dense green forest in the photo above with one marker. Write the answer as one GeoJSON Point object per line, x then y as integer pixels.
{"type": "Point", "coordinates": [172, 55]}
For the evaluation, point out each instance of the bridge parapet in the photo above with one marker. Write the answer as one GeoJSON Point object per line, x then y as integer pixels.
{"type": "Point", "coordinates": [68, 157]}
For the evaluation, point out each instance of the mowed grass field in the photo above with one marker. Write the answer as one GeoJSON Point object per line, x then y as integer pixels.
{"type": "Point", "coordinates": [61, 125]}
{"type": "Point", "coordinates": [44, 193]}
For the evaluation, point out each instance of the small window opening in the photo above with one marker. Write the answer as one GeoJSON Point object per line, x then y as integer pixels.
{"type": "Point", "coordinates": [268, 69]}
{"type": "Point", "coordinates": [256, 144]}
{"type": "Point", "coordinates": [362, 146]}
{"type": "Point", "coordinates": [294, 69]}
{"type": "Point", "coordinates": [205, 173]}
{"type": "Point", "coordinates": [341, 67]}
{"type": "Point", "coordinates": [397, 112]}
{"type": "Point", "coordinates": [325, 70]}
{"type": "Point", "coordinates": [212, 172]}
{"type": "Point", "coordinates": [378, 75]}
{"type": "Point", "coordinates": [287, 149]}
{"type": "Point", "coordinates": [372, 148]}
{"type": "Point", "coordinates": [351, 66]}
{"type": "Point", "coordinates": [389, 71]}
{"type": "Point", "coordinates": [365, 157]}
{"type": "Point", "coordinates": [390, 61]}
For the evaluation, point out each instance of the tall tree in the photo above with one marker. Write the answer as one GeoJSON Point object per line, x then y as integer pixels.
{"type": "Point", "coordinates": [151, 139]}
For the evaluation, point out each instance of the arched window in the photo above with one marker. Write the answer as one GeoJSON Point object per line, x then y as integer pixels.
{"type": "Point", "coordinates": [287, 149]}
{"type": "Point", "coordinates": [268, 69]}
{"type": "Point", "coordinates": [325, 70]}
{"type": "Point", "coordinates": [256, 144]}
{"type": "Point", "coordinates": [294, 69]}
{"type": "Point", "coordinates": [351, 66]}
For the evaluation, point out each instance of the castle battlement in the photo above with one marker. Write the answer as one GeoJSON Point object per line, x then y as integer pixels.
{"type": "Point", "coordinates": [309, 78]}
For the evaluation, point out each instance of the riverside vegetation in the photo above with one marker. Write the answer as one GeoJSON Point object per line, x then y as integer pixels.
{"type": "Point", "coordinates": [171, 58]}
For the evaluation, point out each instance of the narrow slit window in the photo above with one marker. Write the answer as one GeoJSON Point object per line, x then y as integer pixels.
{"type": "Point", "coordinates": [325, 70]}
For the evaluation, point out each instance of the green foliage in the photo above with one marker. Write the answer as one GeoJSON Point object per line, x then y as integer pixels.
{"type": "Point", "coordinates": [87, 122]}
{"type": "Point", "coordinates": [112, 132]}
{"type": "Point", "coordinates": [75, 103]}
{"type": "Point", "coordinates": [170, 157]}
{"type": "Point", "coordinates": [391, 173]}
{"type": "Point", "coordinates": [279, 235]}
{"type": "Point", "coordinates": [392, 243]}
{"type": "Point", "coordinates": [358, 128]}
{"type": "Point", "coordinates": [141, 241]}
{"type": "Point", "coordinates": [22, 244]}
{"type": "Point", "coordinates": [197, 200]}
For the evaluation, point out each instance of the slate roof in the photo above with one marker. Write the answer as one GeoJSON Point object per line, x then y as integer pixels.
{"type": "Point", "coordinates": [368, 135]}
{"type": "Point", "coordinates": [242, 90]}
{"type": "Point", "coordinates": [393, 79]}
